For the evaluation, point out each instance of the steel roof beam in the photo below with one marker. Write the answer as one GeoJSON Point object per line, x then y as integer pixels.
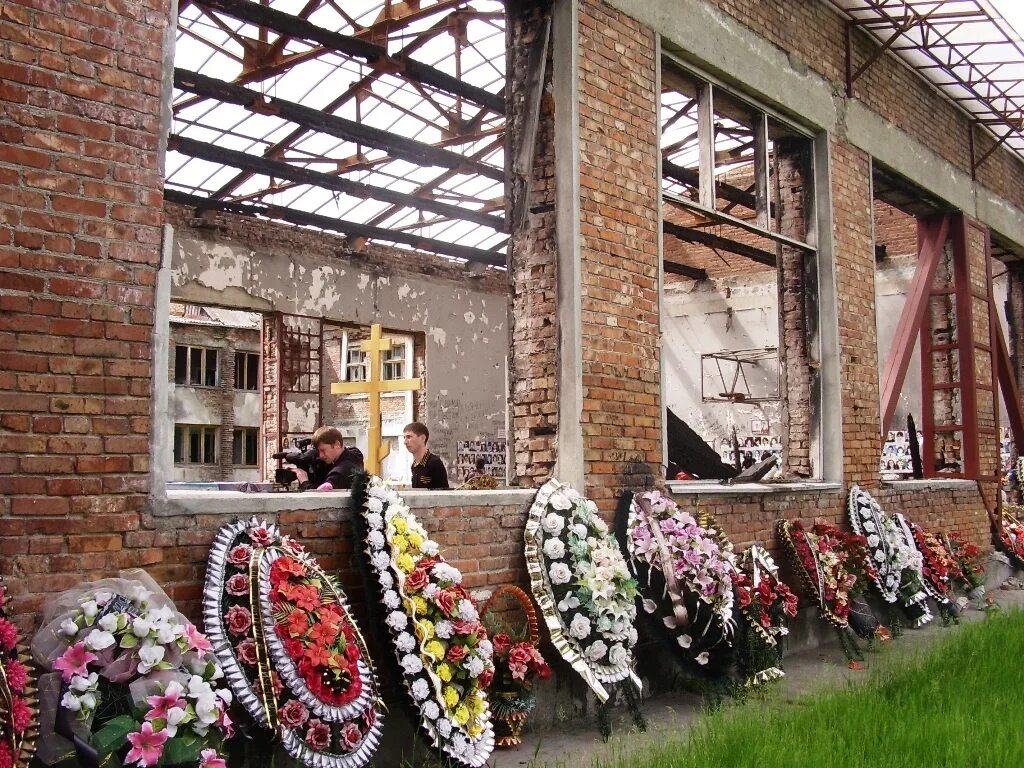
{"type": "Point", "coordinates": [349, 130]}
{"type": "Point", "coordinates": [352, 229]}
{"type": "Point", "coordinates": [373, 53]}
{"type": "Point", "coordinates": [277, 169]}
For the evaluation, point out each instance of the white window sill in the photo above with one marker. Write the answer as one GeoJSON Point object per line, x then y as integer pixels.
{"type": "Point", "coordinates": [931, 484]}
{"type": "Point", "coordinates": [181, 503]}
{"type": "Point", "coordinates": [714, 488]}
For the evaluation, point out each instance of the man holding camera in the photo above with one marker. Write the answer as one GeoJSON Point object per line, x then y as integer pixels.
{"type": "Point", "coordinates": [337, 463]}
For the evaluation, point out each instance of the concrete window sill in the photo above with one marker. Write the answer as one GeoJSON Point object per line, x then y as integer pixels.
{"type": "Point", "coordinates": [713, 488]}
{"type": "Point", "coordinates": [932, 484]}
{"type": "Point", "coordinates": [190, 503]}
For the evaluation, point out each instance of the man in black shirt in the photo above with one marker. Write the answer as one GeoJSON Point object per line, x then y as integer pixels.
{"type": "Point", "coordinates": [339, 462]}
{"type": "Point", "coordinates": [427, 469]}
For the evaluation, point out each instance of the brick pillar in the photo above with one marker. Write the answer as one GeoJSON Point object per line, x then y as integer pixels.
{"type": "Point", "coordinates": [533, 326]}
{"type": "Point", "coordinates": [80, 216]}
{"type": "Point", "coordinates": [855, 289]}
{"type": "Point", "coordinates": [227, 408]}
{"type": "Point", "coordinates": [620, 237]}
{"type": "Point", "coordinates": [792, 166]}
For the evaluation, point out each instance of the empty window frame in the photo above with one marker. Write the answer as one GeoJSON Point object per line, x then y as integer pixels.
{"type": "Point", "coordinates": [247, 371]}
{"type": "Point", "coordinates": [739, 220]}
{"type": "Point", "coordinates": [244, 451]}
{"type": "Point", "coordinates": [195, 444]}
{"type": "Point", "coordinates": [395, 360]}
{"type": "Point", "coordinates": [195, 366]}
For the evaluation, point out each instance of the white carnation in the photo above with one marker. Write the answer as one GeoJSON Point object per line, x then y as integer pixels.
{"type": "Point", "coordinates": [446, 572]}
{"type": "Point", "coordinates": [420, 689]}
{"type": "Point", "coordinates": [431, 711]}
{"type": "Point", "coordinates": [444, 629]}
{"type": "Point", "coordinates": [392, 600]}
{"type": "Point", "coordinates": [873, 540]}
{"type": "Point", "coordinates": [431, 591]}
{"type": "Point", "coordinates": [405, 642]}
{"type": "Point", "coordinates": [376, 539]}
{"type": "Point", "coordinates": [467, 611]}
{"type": "Point", "coordinates": [397, 620]}
{"type": "Point", "coordinates": [429, 548]}
{"type": "Point", "coordinates": [475, 666]}
{"type": "Point", "coordinates": [374, 505]}
{"type": "Point", "coordinates": [381, 560]}
{"type": "Point", "coordinates": [412, 664]}
{"type": "Point", "coordinates": [444, 727]}
{"type": "Point", "coordinates": [375, 520]}
{"type": "Point", "coordinates": [387, 581]}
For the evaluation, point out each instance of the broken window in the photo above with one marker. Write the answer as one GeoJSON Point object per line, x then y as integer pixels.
{"type": "Point", "coordinates": [195, 444]}
{"type": "Point", "coordinates": [247, 370]}
{"type": "Point", "coordinates": [739, 252]}
{"type": "Point", "coordinates": [244, 447]}
{"type": "Point", "coordinates": [195, 366]}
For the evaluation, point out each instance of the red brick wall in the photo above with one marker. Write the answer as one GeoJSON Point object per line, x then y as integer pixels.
{"type": "Point", "coordinates": [80, 195]}
{"type": "Point", "coordinates": [533, 270]}
{"type": "Point", "coordinates": [486, 542]}
{"type": "Point", "coordinates": [619, 252]}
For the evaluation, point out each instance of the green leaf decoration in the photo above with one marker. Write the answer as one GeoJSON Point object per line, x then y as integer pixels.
{"type": "Point", "coordinates": [114, 735]}
{"type": "Point", "coordinates": [185, 749]}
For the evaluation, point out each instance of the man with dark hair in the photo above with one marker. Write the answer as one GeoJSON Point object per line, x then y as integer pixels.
{"type": "Point", "coordinates": [427, 469]}
{"type": "Point", "coordinates": [338, 463]}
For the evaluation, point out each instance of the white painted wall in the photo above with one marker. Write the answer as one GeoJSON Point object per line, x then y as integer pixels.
{"type": "Point", "coordinates": [465, 328]}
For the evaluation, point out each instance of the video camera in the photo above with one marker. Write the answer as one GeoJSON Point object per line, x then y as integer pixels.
{"type": "Point", "coordinates": [303, 456]}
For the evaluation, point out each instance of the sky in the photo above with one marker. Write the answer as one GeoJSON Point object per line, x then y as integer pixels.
{"type": "Point", "coordinates": [1013, 12]}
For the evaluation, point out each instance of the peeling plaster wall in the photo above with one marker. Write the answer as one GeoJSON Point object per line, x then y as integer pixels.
{"type": "Point", "coordinates": [464, 326]}
{"type": "Point", "coordinates": [715, 316]}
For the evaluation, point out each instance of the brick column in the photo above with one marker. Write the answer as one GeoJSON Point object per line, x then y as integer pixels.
{"type": "Point", "coordinates": [620, 237]}
{"type": "Point", "coordinates": [533, 270]}
{"type": "Point", "coordinates": [855, 289]}
{"type": "Point", "coordinates": [80, 215]}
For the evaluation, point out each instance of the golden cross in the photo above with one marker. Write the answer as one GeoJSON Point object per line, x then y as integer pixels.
{"type": "Point", "coordinates": [376, 449]}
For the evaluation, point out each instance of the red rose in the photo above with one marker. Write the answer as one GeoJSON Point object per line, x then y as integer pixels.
{"type": "Point", "coordinates": [448, 602]}
{"type": "Point", "coordinates": [417, 580]}
{"type": "Point", "coordinates": [456, 653]}
{"type": "Point", "coordinates": [464, 627]}
{"type": "Point", "coordinates": [294, 713]}
{"type": "Point", "coordinates": [261, 537]}
{"type": "Point", "coordinates": [519, 655]}
{"type": "Point", "coordinates": [246, 652]}
{"type": "Point", "coordinates": [351, 737]}
{"type": "Point", "coordinates": [744, 596]}
{"type": "Point", "coordinates": [318, 735]}
{"type": "Point", "coordinates": [240, 556]}
{"type": "Point", "coordinates": [239, 620]}
{"type": "Point", "coordinates": [502, 643]}
{"type": "Point", "coordinates": [238, 585]}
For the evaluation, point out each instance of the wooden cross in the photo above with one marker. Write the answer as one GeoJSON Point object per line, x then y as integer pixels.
{"type": "Point", "coordinates": [376, 449]}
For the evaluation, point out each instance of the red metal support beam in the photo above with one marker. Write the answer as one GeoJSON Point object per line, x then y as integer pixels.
{"type": "Point", "coordinates": [965, 344]}
{"type": "Point", "coordinates": [1007, 381]}
{"type": "Point", "coordinates": [931, 237]}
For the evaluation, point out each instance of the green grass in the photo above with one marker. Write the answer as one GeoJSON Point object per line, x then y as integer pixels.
{"type": "Point", "coordinates": [960, 703]}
